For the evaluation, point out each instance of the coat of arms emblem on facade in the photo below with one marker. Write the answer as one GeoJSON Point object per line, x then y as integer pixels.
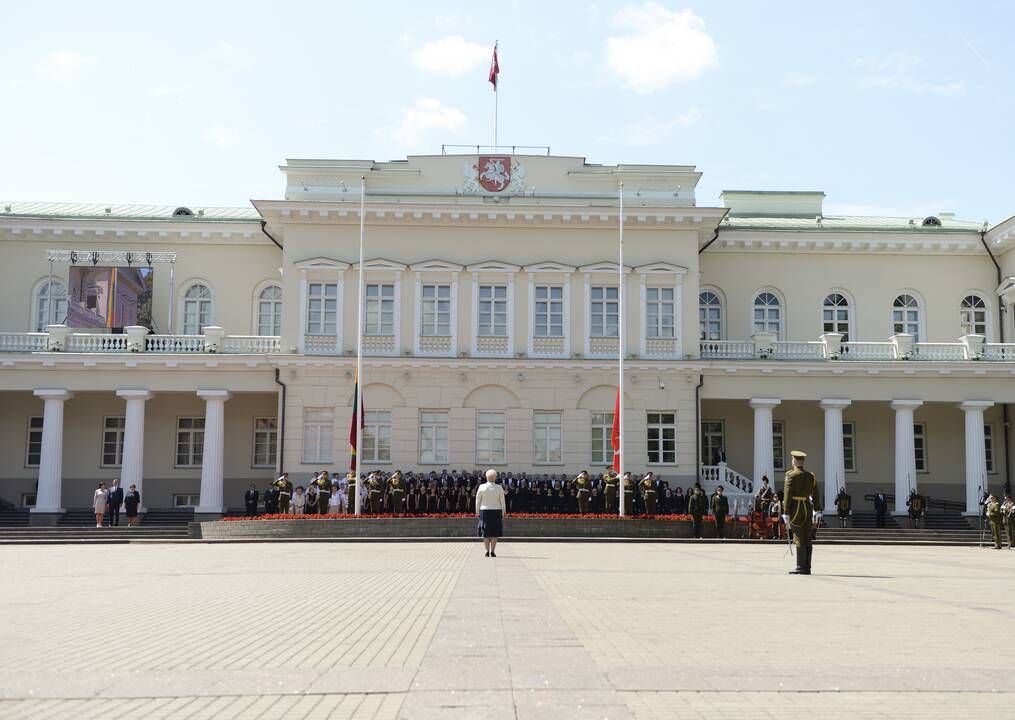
{"type": "Point", "coordinates": [494, 173]}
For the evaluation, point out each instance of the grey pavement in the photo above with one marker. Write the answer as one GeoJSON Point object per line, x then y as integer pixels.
{"type": "Point", "coordinates": [422, 630]}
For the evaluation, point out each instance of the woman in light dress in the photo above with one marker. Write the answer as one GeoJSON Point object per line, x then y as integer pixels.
{"type": "Point", "coordinates": [99, 503]}
{"type": "Point", "coordinates": [298, 505]}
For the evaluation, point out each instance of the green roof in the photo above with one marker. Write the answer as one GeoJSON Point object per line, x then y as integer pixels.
{"type": "Point", "coordinates": [845, 223]}
{"type": "Point", "coordinates": [78, 211]}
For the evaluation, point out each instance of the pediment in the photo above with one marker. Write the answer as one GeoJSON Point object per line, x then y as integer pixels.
{"type": "Point", "coordinates": [321, 263]}
{"type": "Point", "coordinates": [661, 268]}
{"type": "Point", "coordinates": [493, 266]}
{"type": "Point", "coordinates": [603, 266]}
{"type": "Point", "coordinates": [435, 266]}
{"type": "Point", "coordinates": [549, 266]}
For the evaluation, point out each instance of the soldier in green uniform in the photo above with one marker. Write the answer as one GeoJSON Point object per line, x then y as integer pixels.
{"type": "Point", "coordinates": [697, 506]}
{"type": "Point", "coordinates": [801, 497]}
{"type": "Point", "coordinates": [396, 486]}
{"type": "Point", "coordinates": [350, 492]}
{"type": "Point", "coordinates": [993, 509]}
{"type": "Point", "coordinates": [1008, 515]}
{"type": "Point", "coordinates": [323, 492]}
{"type": "Point", "coordinates": [285, 493]}
{"type": "Point", "coordinates": [648, 493]}
{"type": "Point", "coordinates": [720, 507]}
{"type": "Point", "coordinates": [610, 484]}
{"type": "Point", "coordinates": [374, 492]}
{"type": "Point", "coordinates": [629, 487]}
{"type": "Point", "coordinates": [583, 490]}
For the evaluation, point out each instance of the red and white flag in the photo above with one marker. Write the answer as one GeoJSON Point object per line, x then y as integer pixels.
{"type": "Point", "coordinates": [494, 69]}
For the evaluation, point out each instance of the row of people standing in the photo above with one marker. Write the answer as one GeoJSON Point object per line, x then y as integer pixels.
{"type": "Point", "coordinates": [106, 503]}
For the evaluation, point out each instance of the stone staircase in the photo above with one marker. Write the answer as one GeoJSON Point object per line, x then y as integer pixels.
{"type": "Point", "coordinates": [64, 534]}
{"type": "Point", "coordinates": [13, 517]}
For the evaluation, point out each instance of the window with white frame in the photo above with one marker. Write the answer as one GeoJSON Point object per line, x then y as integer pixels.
{"type": "Point", "coordinates": [433, 437]}
{"type": "Point", "coordinates": [659, 312]}
{"type": "Point", "coordinates": [436, 311]}
{"type": "Point", "coordinates": [988, 448]}
{"type": "Point", "coordinates": [604, 312]}
{"type": "Point", "coordinates": [713, 441]}
{"type": "Point", "coordinates": [318, 428]}
{"type": "Point", "coordinates": [920, 446]}
{"type": "Point", "coordinates": [548, 438]}
{"type": "Point", "coordinates": [906, 316]}
{"type": "Point", "coordinates": [492, 311]}
{"type": "Point", "coordinates": [265, 442]}
{"type": "Point", "coordinates": [768, 313]}
{"type": "Point", "coordinates": [973, 316]}
{"type": "Point", "coordinates": [33, 445]}
{"type": "Point", "coordinates": [186, 500]}
{"type": "Point", "coordinates": [269, 311]}
{"type": "Point", "coordinates": [602, 442]}
{"type": "Point", "coordinates": [778, 445]}
{"type": "Point", "coordinates": [835, 315]}
{"type": "Point", "coordinates": [189, 441]}
{"type": "Point", "coordinates": [709, 315]}
{"type": "Point", "coordinates": [490, 433]}
{"type": "Point", "coordinates": [196, 309]}
{"type": "Point", "coordinates": [377, 436]}
{"type": "Point", "coordinates": [322, 308]}
{"type": "Point", "coordinates": [379, 313]}
{"type": "Point", "coordinates": [112, 441]}
{"type": "Point", "coordinates": [849, 446]}
{"type": "Point", "coordinates": [46, 314]}
{"type": "Point", "coordinates": [549, 311]}
{"type": "Point", "coordinates": [662, 438]}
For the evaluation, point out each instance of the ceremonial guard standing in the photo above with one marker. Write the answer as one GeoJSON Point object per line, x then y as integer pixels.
{"type": "Point", "coordinates": [993, 510]}
{"type": "Point", "coordinates": [763, 498]}
{"type": "Point", "coordinates": [582, 487]}
{"type": "Point", "coordinates": [1008, 515]}
{"type": "Point", "coordinates": [285, 493]}
{"type": "Point", "coordinates": [915, 504]}
{"type": "Point", "coordinates": [697, 506]}
{"type": "Point", "coordinates": [323, 493]}
{"type": "Point", "coordinates": [629, 487]}
{"type": "Point", "coordinates": [610, 485]}
{"type": "Point", "coordinates": [843, 503]}
{"type": "Point", "coordinates": [396, 487]}
{"type": "Point", "coordinates": [720, 506]}
{"type": "Point", "coordinates": [648, 494]}
{"type": "Point", "coordinates": [350, 491]}
{"type": "Point", "coordinates": [374, 492]}
{"type": "Point", "coordinates": [801, 497]}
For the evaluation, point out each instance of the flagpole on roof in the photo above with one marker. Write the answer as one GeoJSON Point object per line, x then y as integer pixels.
{"type": "Point", "coordinates": [358, 402]}
{"type": "Point", "coordinates": [494, 79]}
{"type": "Point", "coordinates": [620, 351]}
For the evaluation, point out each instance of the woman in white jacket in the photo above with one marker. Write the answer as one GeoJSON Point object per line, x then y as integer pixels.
{"type": "Point", "coordinates": [99, 503]}
{"type": "Point", "coordinates": [490, 509]}
{"type": "Point", "coordinates": [298, 504]}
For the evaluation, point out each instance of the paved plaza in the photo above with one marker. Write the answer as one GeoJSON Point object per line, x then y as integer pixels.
{"type": "Point", "coordinates": [545, 630]}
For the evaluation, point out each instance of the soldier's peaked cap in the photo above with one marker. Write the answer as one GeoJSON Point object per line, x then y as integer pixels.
{"type": "Point", "coordinates": [798, 454]}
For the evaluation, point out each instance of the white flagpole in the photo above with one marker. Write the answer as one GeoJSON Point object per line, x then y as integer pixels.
{"type": "Point", "coordinates": [359, 349]}
{"type": "Point", "coordinates": [620, 352]}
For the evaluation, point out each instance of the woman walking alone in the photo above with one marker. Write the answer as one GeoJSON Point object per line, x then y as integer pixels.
{"type": "Point", "coordinates": [490, 509]}
{"type": "Point", "coordinates": [99, 503]}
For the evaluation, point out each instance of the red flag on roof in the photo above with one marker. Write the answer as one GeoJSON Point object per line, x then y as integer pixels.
{"type": "Point", "coordinates": [494, 69]}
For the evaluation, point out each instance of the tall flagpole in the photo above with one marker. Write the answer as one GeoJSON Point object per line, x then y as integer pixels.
{"type": "Point", "coordinates": [359, 349]}
{"type": "Point", "coordinates": [496, 94]}
{"type": "Point", "coordinates": [620, 352]}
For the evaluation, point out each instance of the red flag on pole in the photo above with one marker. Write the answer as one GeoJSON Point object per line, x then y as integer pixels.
{"type": "Point", "coordinates": [494, 69]}
{"type": "Point", "coordinates": [354, 451]}
{"type": "Point", "coordinates": [615, 434]}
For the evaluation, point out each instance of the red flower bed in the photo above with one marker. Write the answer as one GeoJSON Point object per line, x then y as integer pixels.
{"type": "Point", "coordinates": [539, 516]}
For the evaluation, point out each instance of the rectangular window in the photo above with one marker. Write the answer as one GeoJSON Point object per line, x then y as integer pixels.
{"type": "Point", "coordinates": [659, 312]}
{"type": "Point", "coordinates": [436, 311]}
{"type": "Point", "coordinates": [265, 442]}
{"type": "Point", "coordinates": [713, 441]}
{"type": "Point", "coordinates": [433, 437]}
{"type": "Point", "coordinates": [186, 500]}
{"type": "Point", "coordinates": [492, 311]}
{"type": "Point", "coordinates": [849, 446]}
{"type": "Point", "coordinates": [377, 436]}
{"type": "Point", "coordinates": [322, 308]}
{"type": "Point", "coordinates": [33, 450]}
{"type": "Point", "coordinates": [379, 313]}
{"type": "Point", "coordinates": [778, 446]}
{"type": "Point", "coordinates": [112, 441]}
{"type": "Point", "coordinates": [549, 306]}
{"type": "Point", "coordinates": [920, 446]}
{"type": "Point", "coordinates": [548, 437]}
{"type": "Point", "coordinates": [988, 448]}
{"type": "Point", "coordinates": [604, 318]}
{"type": "Point", "coordinates": [189, 441]}
{"type": "Point", "coordinates": [662, 438]}
{"type": "Point", "coordinates": [318, 428]}
{"type": "Point", "coordinates": [602, 444]}
{"type": "Point", "coordinates": [490, 433]}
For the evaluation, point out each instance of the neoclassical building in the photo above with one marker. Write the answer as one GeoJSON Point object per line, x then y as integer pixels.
{"type": "Point", "coordinates": [881, 346]}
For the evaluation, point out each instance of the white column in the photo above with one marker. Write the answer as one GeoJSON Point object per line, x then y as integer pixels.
{"type": "Point", "coordinates": [763, 437]}
{"type": "Point", "coordinates": [132, 471]}
{"type": "Point", "coordinates": [214, 451]}
{"type": "Point", "coordinates": [835, 462]}
{"type": "Point", "coordinates": [48, 497]}
{"type": "Point", "coordinates": [905, 452]}
{"type": "Point", "coordinates": [976, 453]}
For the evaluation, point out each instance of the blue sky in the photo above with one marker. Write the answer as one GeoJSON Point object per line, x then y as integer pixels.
{"type": "Point", "coordinates": [898, 108]}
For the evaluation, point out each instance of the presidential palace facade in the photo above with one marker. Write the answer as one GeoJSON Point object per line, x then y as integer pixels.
{"type": "Point", "coordinates": [757, 324]}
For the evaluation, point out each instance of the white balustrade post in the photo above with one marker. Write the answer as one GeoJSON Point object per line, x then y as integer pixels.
{"type": "Point", "coordinates": [976, 453]}
{"type": "Point", "coordinates": [835, 462]}
{"type": "Point", "coordinates": [132, 470]}
{"type": "Point", "coordinates": [763, 438]}
{"type": "Point", "coordinates": [211, 503]}
{"type": "Point", "coordinates": [48, 496]}
{"type": "Point", "coordinates": [905, 452]}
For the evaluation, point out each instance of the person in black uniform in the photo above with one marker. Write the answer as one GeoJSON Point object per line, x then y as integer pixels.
{"type": "Point", "coordinates": [113, 502]}
{"type": "Point", "coordinates": [720, 506]}
{"type": "Point", "coordinates": [697, 506]}
{"type": "Point", "coordinates": [270, 500]}
{"type": "Point", "coordinates": [880, 509]}
{"type": "Point", "coordinates": [250, 499]}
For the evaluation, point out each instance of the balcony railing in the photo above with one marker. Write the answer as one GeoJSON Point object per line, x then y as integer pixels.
{"type": "Point", "coordinates": [60, 338]}
{"type": "Point", "coordinates": [22, 342]}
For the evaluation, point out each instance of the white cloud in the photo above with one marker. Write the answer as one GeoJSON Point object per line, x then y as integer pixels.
{"type": "Point", "coordinates": [421, 118]}
{"type": "Point", "coordinates": [452, 55]}
{"type": "Point", "coordinates": [663, 47]}
{"type": "Point", "coordinates": [897, 71]}
{"type": "Point", "coordinates": [65, 65]}
{"type": "Point", "coordinates": [800, 79]}
{"type": "Point", "coordinates": [653, 130]}
{"type": "Point", "coordinates": [221, 135]}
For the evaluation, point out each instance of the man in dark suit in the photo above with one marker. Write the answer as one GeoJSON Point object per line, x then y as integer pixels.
{"type": "Point", "coordinates": [113, 502]}
{"type": "Point", "coordinates": [250, 499]}
{"type": "Point", "coordinates": [880, 508]}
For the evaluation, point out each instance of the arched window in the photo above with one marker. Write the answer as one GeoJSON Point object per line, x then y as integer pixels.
{"type": "Point", "coordinates": [44, 314]}
{"type": "Point", "coordinates": [973, 316]}
{"type": "Point", "coordinates": [269, 311]}
{"type": "Point", "coordinates": [768, 313]}
{"type": "Point", "coordinates": [906, 316]}
{"type": "Point", "coordinates": [835, 315]}
{"type": "Point", "coordinates": [196, 309]}
{"type": "Point", "coordinates": [710, 315]}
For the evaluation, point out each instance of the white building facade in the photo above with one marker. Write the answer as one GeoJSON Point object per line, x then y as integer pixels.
{"type": "Point", "coordinates": [491, 331]}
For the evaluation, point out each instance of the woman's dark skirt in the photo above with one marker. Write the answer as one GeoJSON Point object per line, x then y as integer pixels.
{"type": "Point", "coordinates": [491, 523]}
